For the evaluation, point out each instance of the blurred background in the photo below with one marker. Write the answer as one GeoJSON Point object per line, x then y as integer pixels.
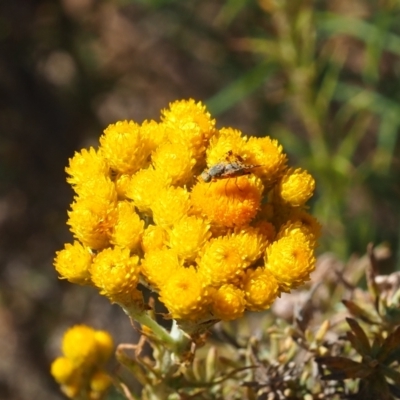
{"type": "Point", "coordinates": [322, 77]}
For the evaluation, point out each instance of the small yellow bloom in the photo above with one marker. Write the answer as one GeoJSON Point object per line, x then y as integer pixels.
{"type": "Point", "coordinates": [123, 147]}
{"type": "Point", "coordinates": [92, 220]}
{"type": "Point", "coordinates": [154, 238]}
{"type": "Point", "coordinates": [99, 383]}
{"type": "Point", "coordinates": [291, 257]}
{"type": "Point", "coordinates": [73, 263]}
{"type": "Point", "coordinates": [251, 244]}
{"type": "Point", "coordinates": [188, 123]}
{"type": "Point", "coordinates": [300, 225]}
{"type": "Point", "coordinates": [116, 273]}
{"type": "Point", "coordinates": [267, 153]}
{"type": "Point", "coordinates": [228, 202]}
{"type": "Point", "coordinates": [79, 346]}
{"type": "Point", "coordinates": [228, 302]}
{"type": "Point", "coordinates": [86, 165]}
{"type": "Point", "coordinates": [226, 140]}
{"type": "Point", "coordinates": [128, 228]}
{"type": "Point", "coordinates": [261, 289]}
{"type": "Point", "coordinates": [145, 187]}
{"type": "Point", "coordinates": [220, 261]}
{"type": "Point", "coordinates": [97, 189]}
{"type": "Point", "coordinates": [105, 346]}
{"type": "Point", "coordinates": [188, 236]}
{"type": "Point", "coordinates": [170, 206]}
{"type": "Point", "coordinates": [176, 160]}
{"type": "Point", "coordinates": [153, 134]}
{"type": "Point", "coordinates": [159, 265]}
{"type": "Point", "coordinates": [307, 221]}
{"type": "Point", "coordinates": [63, 370]}
{"type": "Point", "coordinates": [295, 187]}
{"type": "Point", "coordinates": [185, 295]}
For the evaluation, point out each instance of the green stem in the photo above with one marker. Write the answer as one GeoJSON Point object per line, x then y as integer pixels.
{"type": "Point", "coordinates": [144, 318]}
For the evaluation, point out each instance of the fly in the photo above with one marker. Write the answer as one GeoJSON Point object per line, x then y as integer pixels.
{"type": "Point", "coordinates": [234, 166]}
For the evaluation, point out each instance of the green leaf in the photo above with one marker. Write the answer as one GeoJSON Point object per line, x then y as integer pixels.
{"type": "Point", "coordinates": [240, 89]}
{"type": "Point", "coordinates": [387, 110]}
{"type": "Point", "coordinates": [387, 138]}
{"type": "Point", "coordinates": [335, 24]}
{"type": "Point", "coordinates": [229, 11]}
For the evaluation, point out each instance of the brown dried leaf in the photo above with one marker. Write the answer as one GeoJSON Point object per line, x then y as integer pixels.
{"type": "Point", "coordinates": [344, 367]}
{"type": "Point", "coordinates": [360, 313]}
{"type": "Point", "coordinates": [390, 350]}
{"type": "Point", "coordinates": [359, 340]}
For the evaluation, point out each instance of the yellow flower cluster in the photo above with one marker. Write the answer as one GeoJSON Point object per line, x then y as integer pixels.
{"type": "Point", "coordinates": [80, 370]}
{"type": "Point", "coordinates": [213, 221]}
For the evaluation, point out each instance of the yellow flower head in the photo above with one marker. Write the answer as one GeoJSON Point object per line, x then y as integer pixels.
{"type": "Point", "coordinates": [295, 187]}
{"type": "Point", "coordinates": [260, 288]}
{"type": "Point", "coordinates": [221, 261]}
{"type": "Point", "coordinates": [98, 188]}
{"type": "Point", "coordinates": [228, 302]}
{"type": "Point", "coordinates": [116, 273]}
{"type": "Point", "coordinates": [159, 265]}
{"type": "Point", "coordinates": [303, 225]}
{"type": "Point", "coordinates": [188, 236]}
{"type": "Point", "coordinates": [171, 205]}
{"type": "Point", "coordinates": [63, 370]}
{"type": "Point", "coordinates": [100, 381]}
{"type": "Point", "coordinates": [86, 165]}
{"type": "Point", "coordinates": [105, 346]}
{"type": "Point", "coordinates": [188, 123]}
{"type": "Point", "coordinates": [250, 243]}
{"type": "Point", "coordinates": [73, 263]}
{"type": "Point", "coordinates": [154, 238]}
{"type": "Point", "coordinates": [185, 294]}
{"type": "Point", "coordinates": [228, 202]}
{"type": "Point", "coordinates": [145, 187]}
{"type": "Point", "coordinates": [176, 160]}
{"type": "Point", "coordinates": [268, 154]}
{"type": "Point", "coordinates": [225, 141]}
{"type": "Point", "coordinates": [291, 257]}
{"type": "Point", "coordinates": [153, 134]}
{"type": "Point", "coordinates": [308, 223]}
{"type": "Point", "coordinates": [123, 147]}
{"type": "Point", "coordinates": [128, 228]}
{"type": "Point", "coordinates": [79, 346]}
{"type": "Point", "coordinates": [92, 221]}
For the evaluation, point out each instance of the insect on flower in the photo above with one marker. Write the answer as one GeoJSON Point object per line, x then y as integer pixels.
{"type": "Point", "coordinates": [234, 166]}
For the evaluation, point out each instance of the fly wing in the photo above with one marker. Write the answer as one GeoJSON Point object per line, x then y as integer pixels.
{"type": "Point", "coordinates": [217, 170]}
